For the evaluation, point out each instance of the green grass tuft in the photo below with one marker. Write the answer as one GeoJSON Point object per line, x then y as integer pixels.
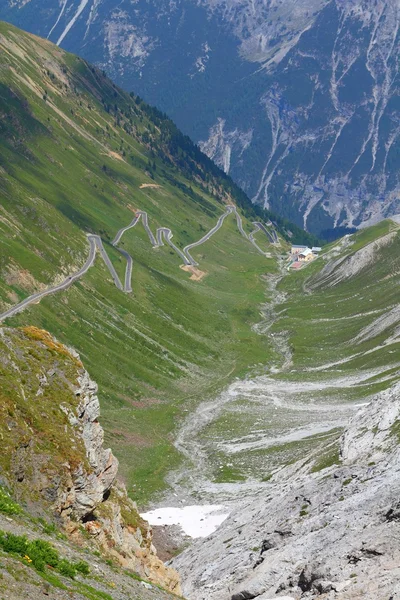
{"type": "Point", "coordinates": [7, 505]}
{"type": "Point", "coordinates": [40, 555]}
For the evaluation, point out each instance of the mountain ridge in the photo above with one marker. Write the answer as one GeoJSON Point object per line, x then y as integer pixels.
{"type": "Point", "coordinates": [54, 463]}
{"type": "Point", "coordinates": [303, 115]}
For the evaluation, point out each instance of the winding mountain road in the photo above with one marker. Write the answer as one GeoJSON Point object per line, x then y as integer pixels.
{"type": "Point", "coordinates": [229, 210]}
{"type": "Point", "coordinates": [35, 298]}
{"type": "Point", "coordinates": [162, 234]}
{"type": "Point", "coordinates": [271, 234]}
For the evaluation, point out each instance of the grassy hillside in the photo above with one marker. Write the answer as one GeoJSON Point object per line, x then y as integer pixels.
{"type": "Point", "coordinates": [78, 156]}
{"type": "Point", "coordinates": [341, 297]}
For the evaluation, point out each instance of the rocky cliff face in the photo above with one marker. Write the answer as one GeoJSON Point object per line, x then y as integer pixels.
{"type": "Point", "coordinates": [303, 113]}
{"type": "Point", "coordinates": [331, 144]}
{"type": "Point", "coordinates": [53, 456]}
{"type": "Point", "coordinates": [318, 531]}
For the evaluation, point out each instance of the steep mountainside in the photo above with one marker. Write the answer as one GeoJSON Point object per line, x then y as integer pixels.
{"type": "Point", "coordinates": [298, 101]}
{"type": "Point", "coordinates": [100, 191]}
{"type": "Point", "coordinates": [217, 363]}
{"type": "Point", "coordinates": [55, 465]}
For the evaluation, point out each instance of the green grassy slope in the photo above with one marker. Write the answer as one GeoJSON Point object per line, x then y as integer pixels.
{"type": "Point", "coordinates": [343, 321]}
{"type": "Point", "coordinates": [74, 153]}
{"type": "Point", "coordinates": [327, 311]}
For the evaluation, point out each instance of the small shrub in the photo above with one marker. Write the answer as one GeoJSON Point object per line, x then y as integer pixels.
{"type": "Point", "coordinates": [40, 554]}
{"type": "Point", "coordinates": [14, 544]}
{"type": "Point", "coordinates": [7, 504]}
{"type": "Point", "coordinates": [82, 567]}
{"type": "Point", "coordinates": [37, 562]}
{"type": "Point", "coordinates": [66, 568]}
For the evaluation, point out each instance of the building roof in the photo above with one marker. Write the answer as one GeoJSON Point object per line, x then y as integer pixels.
{"type": "Point", "coordinates": [306, 252]}
{"type": "Point", "coordinates": [296, 265]}
{"type": "Point", "coordinates": [299, 246]}
{"type": "Point", "coordinates": [316, 249]}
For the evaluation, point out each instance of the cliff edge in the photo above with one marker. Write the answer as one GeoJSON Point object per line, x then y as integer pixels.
{"type": "Point", "coordinates": [53, 459]}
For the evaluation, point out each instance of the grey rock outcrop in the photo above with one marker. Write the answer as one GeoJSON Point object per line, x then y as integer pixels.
{"type": "Point", "coordinates": [53, 458]}
{"type": "Point", "coordinates": [89, 488]}
{"type": "Point", "coordinates": [332, 534]}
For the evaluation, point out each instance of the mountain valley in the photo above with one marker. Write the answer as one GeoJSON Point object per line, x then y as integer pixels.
{"type": "Point", "coordinates": [227, 382]}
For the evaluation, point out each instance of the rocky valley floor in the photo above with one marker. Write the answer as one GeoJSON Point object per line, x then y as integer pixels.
{"type": "Point", "coordinates": [330, 534]}
{"type": "Point", "coordinates": [303, 461]}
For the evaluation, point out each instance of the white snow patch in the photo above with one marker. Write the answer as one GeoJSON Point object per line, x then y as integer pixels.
{"type": "Point", "coordinates": [58, 19]}
{"type": "Point", "coordinates": [196, 521]}
{"type": "Point", "coordinates": [72, 22]}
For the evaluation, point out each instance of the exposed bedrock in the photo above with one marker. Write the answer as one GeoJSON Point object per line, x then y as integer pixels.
{"type": "Point", "coordinates": [332, 533]}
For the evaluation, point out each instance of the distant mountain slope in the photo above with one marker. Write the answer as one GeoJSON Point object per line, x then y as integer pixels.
{"type": "Point", "coordinates": [298, 101]}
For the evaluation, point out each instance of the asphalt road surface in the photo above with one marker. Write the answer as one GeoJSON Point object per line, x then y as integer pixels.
{"type": "Point", "coordinates": [162, 234]}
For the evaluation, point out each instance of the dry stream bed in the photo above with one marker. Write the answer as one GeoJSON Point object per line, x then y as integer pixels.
{"type": "Point", "coordinates": [235, 442]}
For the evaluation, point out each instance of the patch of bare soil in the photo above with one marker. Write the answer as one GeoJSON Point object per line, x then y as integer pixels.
{"type": "Point", "coordinates": [130, 439]}
{"type": "Point", "coordinates": [142, 403]}
{"type": "Point", "coordinates": [115, 155]}
{"type": "Point", "coordinates": [12, 296]}
{"type": "Point", "coordinates": [196, 274]}
{"type": "Point", "coordinates": [21, 278]}
{"type": "Point", "coordinates": [149, 185]}
{"type": "Point", "coordinates": [169, 541]}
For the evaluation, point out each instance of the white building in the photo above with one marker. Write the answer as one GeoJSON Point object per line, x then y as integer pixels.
{"type": "Point", "coordinates": [306, 255]}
